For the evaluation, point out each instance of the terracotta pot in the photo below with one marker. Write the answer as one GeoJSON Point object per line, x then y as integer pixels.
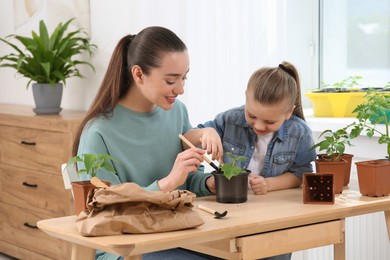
{"type": "Point", "coordinates": [234, 190]}
{"type": "Point", "coordinates": [374, 177]}
{"type": "Point", "coordinates": [318, 188]}
{"type": "Point", "coordinates": [348, 158]}
{"type": "Point", "coordinates": [80, 194]}
{"type": "Point", "coordinates": [338, 168]}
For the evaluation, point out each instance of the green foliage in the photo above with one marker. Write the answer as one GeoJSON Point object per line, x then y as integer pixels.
{"type": "Point", "coordinates": [48, 58]}
{"type": "Point", "coordinates": [334, 143]}
{"type": "Point", "coordinates": [373, 111]}
{"type": "Point", "coordinates": [230, 169]}
{"type": "Point", "coordinates": [92, 163]}
{"type": "Point", "coordinates": [345, 84]}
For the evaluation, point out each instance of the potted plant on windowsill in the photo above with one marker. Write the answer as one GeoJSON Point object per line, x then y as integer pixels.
{"type": "Point", "coordinates": [334, 160]}
{"type": "Point", "coordinates": [90, 165]}
{"type": "Point", "coordinates": [231, 181]}
{"type": "Point", "coordinates": [338, 99]}
{"type": "Point", "coordinates": [374, 175]}
{"type": "Point", "coordinates": [47, 61]}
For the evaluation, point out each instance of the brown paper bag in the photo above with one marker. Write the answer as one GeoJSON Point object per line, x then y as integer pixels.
{"type": "Point", "coordinates": [128, 208]}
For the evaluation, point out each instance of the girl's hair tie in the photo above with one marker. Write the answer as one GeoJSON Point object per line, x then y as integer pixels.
{"type": "Point", "coordinates": [288, 71]}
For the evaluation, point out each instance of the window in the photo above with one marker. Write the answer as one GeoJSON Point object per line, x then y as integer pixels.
{"type": "Point", "coordinates": [355, 40]}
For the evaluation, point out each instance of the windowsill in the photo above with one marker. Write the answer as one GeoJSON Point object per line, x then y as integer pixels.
{"type": "Point", "coordinates": [319, 124]}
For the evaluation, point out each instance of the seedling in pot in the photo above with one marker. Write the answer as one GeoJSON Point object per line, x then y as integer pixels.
{"type": "Point", "coordinates": [231, 169]}
{"type": "Point", "coordinates": [92, 163]}
{"type": "Point", "coordinates": [346, 85]}
{"type": "Point", "coordinates": [333, 143]}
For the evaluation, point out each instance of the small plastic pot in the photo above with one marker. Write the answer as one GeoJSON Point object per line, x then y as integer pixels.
{"type": "Point", "coordinates": [234, 190]}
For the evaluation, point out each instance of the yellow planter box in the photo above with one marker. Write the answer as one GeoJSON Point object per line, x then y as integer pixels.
{"type": "Point", "coordinates": [327, 104]}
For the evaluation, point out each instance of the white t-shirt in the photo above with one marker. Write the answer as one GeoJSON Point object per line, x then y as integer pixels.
{"type": "Point", "coordinates": [257, 161]}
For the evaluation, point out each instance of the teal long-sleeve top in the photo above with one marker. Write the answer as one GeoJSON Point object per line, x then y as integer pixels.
{"type": "Point", "coordinates": [146, 146]}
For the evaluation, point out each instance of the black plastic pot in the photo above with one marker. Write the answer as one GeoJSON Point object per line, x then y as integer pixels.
{"type": "Point", "coordinates": [234, 190]}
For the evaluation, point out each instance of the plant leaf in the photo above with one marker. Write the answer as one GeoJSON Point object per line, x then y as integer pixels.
{"type": "Point", "coordinates": [49, 58]}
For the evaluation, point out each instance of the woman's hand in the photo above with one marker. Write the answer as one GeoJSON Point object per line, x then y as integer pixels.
{"type": "Point", "coordinates": [186, 162]}
{"type": "Point", "coordinates": [210, 183]}
{"type": "Point", "coordinates": [258, 184]}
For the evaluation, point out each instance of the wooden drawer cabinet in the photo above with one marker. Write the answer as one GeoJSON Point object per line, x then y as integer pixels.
{"type": "Point", "coordinates": [20, 230]}
{"type": "Point", "coordinates": [34, 190]}
{"type": "Point", "coordinates": [32, 149]}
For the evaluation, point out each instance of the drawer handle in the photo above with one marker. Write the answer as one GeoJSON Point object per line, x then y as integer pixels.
{"type": "Point", "coordinates": [30, 185]}
{"type": "Point", "coordinates": [30, 226]}
{"type": "Point", "coordinates": [28, 143]}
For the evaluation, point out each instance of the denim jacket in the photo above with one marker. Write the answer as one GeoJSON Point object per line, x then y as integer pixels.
{"type": "Point", "coordinates": [288, 150]}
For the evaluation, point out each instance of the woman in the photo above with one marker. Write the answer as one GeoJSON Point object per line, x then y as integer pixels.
{"type": "Point", "coordinates": [136, 118]}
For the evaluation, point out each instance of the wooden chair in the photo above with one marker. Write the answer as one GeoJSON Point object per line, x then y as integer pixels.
{"type": "Point", "coordinates": [69, 175]}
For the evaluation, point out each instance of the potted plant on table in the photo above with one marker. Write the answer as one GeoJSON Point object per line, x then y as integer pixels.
{"type": "Point", "coordinates": [338, 99]}
{"type": "Point", "coordinates": [231, 181]}
{"type": "Point", "coordinates": [48, 60]}
{"type": "Point", "coordinates": [334, 160]}
{"type": "Point", "coordinates": [374, 175]}
{"type": "Point", "coordinates": [90, 165]}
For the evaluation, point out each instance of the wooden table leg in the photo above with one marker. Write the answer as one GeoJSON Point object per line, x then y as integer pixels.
{"type": "Point", "coordinates": [387, 219]}
{"type": "Point", "coordinates": [82, 252]}
{"type": "Point", "coordinates": [339, 248]}
{"type": "Point", "coordinates": [339, 251]}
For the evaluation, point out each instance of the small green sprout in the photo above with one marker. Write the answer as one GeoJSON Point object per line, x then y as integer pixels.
{"type": "Point", "coordinates": [230, 169]}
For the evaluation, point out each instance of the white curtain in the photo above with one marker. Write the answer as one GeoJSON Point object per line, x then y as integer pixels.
{"type": "Point", "coordinates": [228, 40]}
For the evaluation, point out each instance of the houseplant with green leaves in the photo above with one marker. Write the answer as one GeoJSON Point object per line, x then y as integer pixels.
{"type": "Point", "coordinates": [47, 61]}
{"type": "Point", "coordinates": [334, 159]}
{"type": "Point", "coordinates": [87, 165]}
{"type": "Point", "coordinates": [231, 181]}
{"type": "Point", "coordinates": [373, 119]}
{"type": "Point", "coordinates": [92, 163]}
{"type": "Point", "coordinates": [372, 113]}
{"type": "Point", "coordinates": [333, 143]}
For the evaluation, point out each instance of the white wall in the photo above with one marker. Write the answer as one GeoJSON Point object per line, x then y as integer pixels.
{"type": "Point", "coordinates": [227, 41]}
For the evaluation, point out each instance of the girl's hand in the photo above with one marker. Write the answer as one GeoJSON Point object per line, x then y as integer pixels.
{"type": "Point", "coordinates": [211, 142]}
{"type": "Point", "coordinates": [258, 184]}
{"type": "Point", "coordinates": [186, 162]}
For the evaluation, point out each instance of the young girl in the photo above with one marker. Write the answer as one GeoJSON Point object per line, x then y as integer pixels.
{"type": "Point", "coordinates": [136, 118]}
{"type": "Point", "coordinates": [270, 130]}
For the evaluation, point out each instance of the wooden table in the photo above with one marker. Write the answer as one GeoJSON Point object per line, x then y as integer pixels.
{"type": "Point", "coordinates": [265, 225]}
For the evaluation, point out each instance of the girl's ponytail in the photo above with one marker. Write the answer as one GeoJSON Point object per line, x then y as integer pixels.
{"type": "Point", "coordinates": [292, 71]}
